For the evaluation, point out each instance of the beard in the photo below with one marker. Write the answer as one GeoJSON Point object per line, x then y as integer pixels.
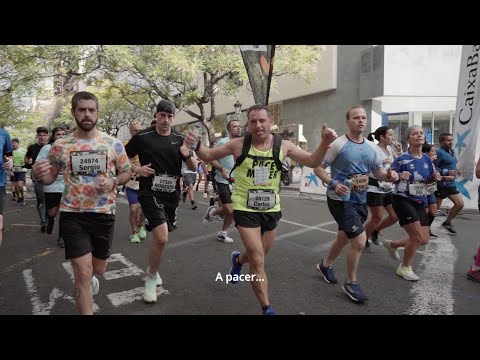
{"type": "Point", "coordinates": [86, 126]}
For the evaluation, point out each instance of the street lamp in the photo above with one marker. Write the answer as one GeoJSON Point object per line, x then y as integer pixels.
{"type": "Point", "coordinates": [238, 109]}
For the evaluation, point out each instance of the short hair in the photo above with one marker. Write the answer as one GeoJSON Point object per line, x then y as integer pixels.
{"type": "Point", "coordinates": [135, 123]}
{"type": "Point", "coordinates": [427, 147]}
{"type": "Point", "coordinates": [42, 129]}
{"type": "Point", "coordinates": [229, 123]}
{"type": "Point", "coordinates": [51, 140]}
{"type": "Point", "coordinates": [258, 107]}
{"type": "Point", "coordinates": [347, 115]}
{"type": "Point", "coordinates": [15, 140]}
{"type": "Point", "coordinates": [443, 136]}
{"type": "Point", "coordinates": [83, 95]}
{"type": "Point", "coordinates": [166, 106]}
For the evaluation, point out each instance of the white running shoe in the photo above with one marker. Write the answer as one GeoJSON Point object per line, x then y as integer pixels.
{"type": "Point", "coordinates": [95, 285]}
{"type": "Point", "coordinates": [208, 217]}
{"type": "Point", "coordinates": [392, 251]}
{"type": "Point", "coordinates": [407, 273]}
{"type": "Point", "coordinates": [222, 236]}
{"type": "Point", "coordinates": [150, 295]}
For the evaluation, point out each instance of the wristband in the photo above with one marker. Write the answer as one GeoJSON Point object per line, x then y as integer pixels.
{"type": "Point", "coordinates": [332, 184]}
{"type": "Point", "coordinates": [324, 146]}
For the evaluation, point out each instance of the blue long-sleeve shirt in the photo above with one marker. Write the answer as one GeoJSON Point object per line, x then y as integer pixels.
{"type": "Point", "coordinates": [446, 160]}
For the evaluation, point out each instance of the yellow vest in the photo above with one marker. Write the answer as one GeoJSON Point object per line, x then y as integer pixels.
{"type": "Point", "coordinates": [250, 197]}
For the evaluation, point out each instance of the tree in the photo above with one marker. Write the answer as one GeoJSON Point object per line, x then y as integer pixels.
{"type": "Point", "coordinates": [192, 75]}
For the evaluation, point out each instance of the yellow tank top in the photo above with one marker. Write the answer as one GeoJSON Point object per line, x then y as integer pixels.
{"type": "Point", "coordinates": [263, 196]}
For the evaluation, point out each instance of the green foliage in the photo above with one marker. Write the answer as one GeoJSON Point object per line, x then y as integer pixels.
{"type": "Point", "coordinates": [130, 79]}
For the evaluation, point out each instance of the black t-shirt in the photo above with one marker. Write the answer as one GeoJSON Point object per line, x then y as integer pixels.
{"type": "Point", "coordinates": [163, 152]}
{"type": "Point", "coordinates": [32, 152]}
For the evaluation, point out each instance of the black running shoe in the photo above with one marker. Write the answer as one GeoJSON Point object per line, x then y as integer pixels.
{"type": "Point", "coordinates": [374, 237]}
{"type": "Point", "coordinates": [448, 226]}
{"type": "Point", "coordinates": [50, 227]}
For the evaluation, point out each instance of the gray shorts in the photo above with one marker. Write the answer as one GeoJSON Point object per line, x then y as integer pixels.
{"type": "Point", "coordinates": [189, 178]}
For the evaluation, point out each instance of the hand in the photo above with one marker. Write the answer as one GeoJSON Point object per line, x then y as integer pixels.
{"type": "Point", "coordinates": [436, 176]}
{"type": "Point", "coordinates": [184, 150]}
{"type": "Point", "coordinates": [341, 189]}
{"type": "Point", "coordinates": [41, 168]}
{"type": "Point", "coordinates": [392, 175]}
{"type": "Point", "coordinates": [328, 135]}
{"type": "Point", "coordinates": [405, 175]}
{"type": "Point", "coordinates": [7, 163]}
{"type": "Point", "coordinates": [103, 184]}
{"type": "Point", "coordinates": [453, 172]}
{"type": "Point", "coordinates": [191, 139]}
{"type": "Point", "coordinates": [225, 174]}
{"type": "Point", "coordinates": [145, 170]}
{"type": "Point", "coordinates": [448, 178]}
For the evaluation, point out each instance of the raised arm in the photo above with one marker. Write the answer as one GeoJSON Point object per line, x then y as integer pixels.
{"type": "Point", "coordinates": [311, 159]}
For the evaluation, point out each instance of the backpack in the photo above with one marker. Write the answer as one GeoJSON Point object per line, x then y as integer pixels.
{"type": "Point", "coordinates": [247, 142]}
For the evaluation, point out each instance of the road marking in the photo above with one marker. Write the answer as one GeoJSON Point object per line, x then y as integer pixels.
{"type": "Point", "coordinates": [433, 293]}
{"type": "Point", "coordinates": [12, 267]}
{"type": "Point", "coordinates": [130, 270]}
{"type": "Point", "coordinates": [315, 227]}
{"type": "Point", "coordinates": [40, 307]}
{"type": "Point", "coordinates": [122, 297]}
{"type": "Point", "coordinates": [129, 296]}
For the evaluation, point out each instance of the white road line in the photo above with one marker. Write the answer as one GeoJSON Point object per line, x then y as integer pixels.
{"type": "Point", "coordinates": [432, 294]}
{"type": "Point", "coordinates": [39, 307]}
{"type": "Point", "coordinates": [129, 296]}
{"type": "Point", "coordinates": [315, 227]}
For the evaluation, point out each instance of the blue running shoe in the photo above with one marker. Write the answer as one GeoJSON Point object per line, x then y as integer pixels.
{"type": "Point", "coordinates": [327, 272]}
{"type": "Point", "coordinates": [235, 269]}
{"type": "Point", "coordinates": [269, 311]}
{"type": "Point", "coordinates": [354, 292]}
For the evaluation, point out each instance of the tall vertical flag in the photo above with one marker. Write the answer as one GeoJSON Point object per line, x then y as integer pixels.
{"type": "Point", "coordinates": [258, 60]}
{"type": "Point", "coordinates": [467, 114]}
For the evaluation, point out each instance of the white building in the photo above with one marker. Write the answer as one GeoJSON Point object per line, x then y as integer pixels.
{"type": "Point", "coordinates": [399, 85]}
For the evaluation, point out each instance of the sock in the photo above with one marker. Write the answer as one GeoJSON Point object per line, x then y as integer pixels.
{"type": "Point", "coordinates": [430, 219]}
{"type": "Point", "coordinates": [151, 276]}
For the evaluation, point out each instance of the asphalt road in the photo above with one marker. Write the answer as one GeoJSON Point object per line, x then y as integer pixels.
{"type": "Point", "coordinates": [35, 278]}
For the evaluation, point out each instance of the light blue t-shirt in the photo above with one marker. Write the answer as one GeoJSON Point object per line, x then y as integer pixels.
{"type": "Point", "coordinates": [347, 158]}
{"type": "Point", "coordinates": [58, 185]}
{"type": "Point", "coordinates": [226, 162]}
{"type": "Point", "coordinates": [6, 147]}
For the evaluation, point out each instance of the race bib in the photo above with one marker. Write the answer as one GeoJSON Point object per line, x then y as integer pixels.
{"type": "Point", "coordinates": [261, 199]}
{"type": "Point", "coordinates": [359, 182]}
{"type": "Point", "coordinates": [431, 187]}
{"type": "Point", "coordinates": [17, 169]}
{"type": "Point", "coordinates": [88, 162]}
{"type": "Point", "coordinates": [133, 184]}
{"type": "Point", "coordinates": [261, 175]}
{"type": "Point", "coordinates": [164, 183]}
{"type": "Point", "coordinates": [417, 189]}
{"type": "Point", "coordinates": [385, 186]}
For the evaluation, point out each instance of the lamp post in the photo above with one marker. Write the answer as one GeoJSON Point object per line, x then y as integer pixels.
{"type": "Point", "coordinates": [238, 109]}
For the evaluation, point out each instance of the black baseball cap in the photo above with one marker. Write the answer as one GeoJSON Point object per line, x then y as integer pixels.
{"type": "Point", "coordinates": [166, 106]}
